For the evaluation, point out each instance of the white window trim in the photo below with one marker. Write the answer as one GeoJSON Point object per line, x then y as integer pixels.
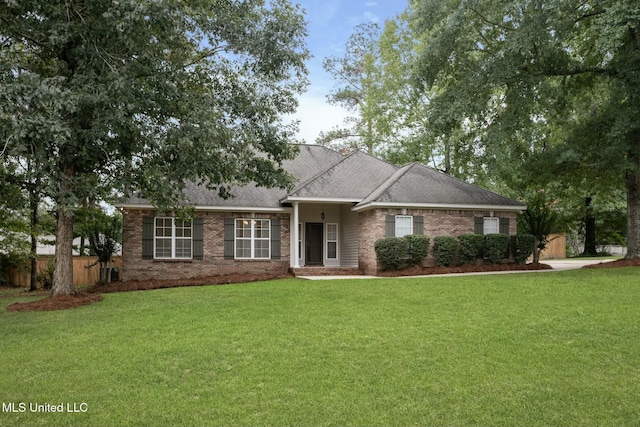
{"type": "Point", "coordinates": [252, 238]}
{"type": "Point", "coordinates": [488, 228]}
{"type": "Point", "coordinates": [327, 240]}
{"type": "Point", "coordinates": [173, 238]}
{"type": "Point", "coordinates": [410, 218]}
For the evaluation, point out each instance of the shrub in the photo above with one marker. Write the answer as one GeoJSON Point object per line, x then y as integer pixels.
{"type": "Point", "coordinates": [470, 247]}
{"type": "Point", "coordinates": [417, 249]}
{"type": "Point", "coordinates": [395, 253]}
{"type": "Point", "coordinates": [445, 249]}
{"type": "Point", "coordinates": [392, 252]}
{"type": "Point", "coordinates": [521, 246]}
{"type": "Point", "coordinates": [496, 247]}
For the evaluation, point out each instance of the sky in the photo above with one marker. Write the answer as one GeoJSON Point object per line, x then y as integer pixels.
{"type": "Point", "coordinates": [330, 23]}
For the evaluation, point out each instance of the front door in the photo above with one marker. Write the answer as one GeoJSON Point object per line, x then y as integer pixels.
{"type": "Point", "coordinates": [313, 243]}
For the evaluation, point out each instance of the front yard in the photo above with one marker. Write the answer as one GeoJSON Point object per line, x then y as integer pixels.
{"type": "Point", "coordinates": [528, 349]}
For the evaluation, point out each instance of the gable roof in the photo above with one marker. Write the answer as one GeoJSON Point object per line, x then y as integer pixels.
{"type": "Point", "coordinates": [324, 175]}
{"type": "Point", "coordinates": [352, 179]}
{"type": "Point", "coordinates": [420, 186]}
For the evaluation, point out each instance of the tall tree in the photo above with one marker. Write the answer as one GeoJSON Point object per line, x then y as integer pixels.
{"type": "Point", "coordinates": [557, 80]}
{"type": "Point", "coordinates": [357, 90]}
{"type": "Point", "coordinates": [142, 95]}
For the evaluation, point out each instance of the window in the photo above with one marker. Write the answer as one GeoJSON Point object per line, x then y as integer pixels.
{"type": "Point", "coordinates": [491, 226]}
{"type": "Point", "coordinates": [172, 238]}
{"type": "Point", "coordinates": [253, 238]}
{"type": "Point", "coordinates": [332, 241]}
{"type": "Point", "coordinates": [404, 225]}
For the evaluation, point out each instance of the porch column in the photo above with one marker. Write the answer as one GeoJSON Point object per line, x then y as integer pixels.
{"type": "Point", "coordinates": [296, 236]}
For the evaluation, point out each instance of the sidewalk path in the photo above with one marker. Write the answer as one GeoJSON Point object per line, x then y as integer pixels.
{"type": "Point", "coordinates": [556, 264]}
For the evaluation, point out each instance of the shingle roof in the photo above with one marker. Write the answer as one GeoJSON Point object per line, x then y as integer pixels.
{"type": "Point", "coordinates": [416, 184]}
{"type": "Point", "coordinates": [353, 177]}
{"type": "Point", "coordinates": [322, 173]}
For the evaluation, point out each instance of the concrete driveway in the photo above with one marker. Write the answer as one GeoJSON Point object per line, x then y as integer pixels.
{"type": "Point", "coordinates": [571, 264]}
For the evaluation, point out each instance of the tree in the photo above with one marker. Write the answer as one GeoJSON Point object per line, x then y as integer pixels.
{"type": "Point", "coordinates": [357, 88]}
{"type": "Point", "coordinates": [556, 79]}
{"type": "Point", "coordinates": [132, 95]}
{"type": "Point", "coordinates": [539, 220]}
{"type": "Point", "coordinates": [372, 83]}
{"type": "Point", "coordinates": [105, 236]}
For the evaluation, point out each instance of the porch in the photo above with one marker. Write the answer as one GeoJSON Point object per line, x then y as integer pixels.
{"type": "Point", "coordinates": [324, 238]}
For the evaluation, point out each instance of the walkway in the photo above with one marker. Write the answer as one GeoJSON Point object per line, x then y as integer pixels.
{"type": "Point", "coordinates": [557, 265]}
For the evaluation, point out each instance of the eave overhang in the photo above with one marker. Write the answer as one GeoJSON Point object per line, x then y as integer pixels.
{"type": "Point", "coordinates": [215, 208]}
{"type": "Point", "coordinates": [439, 206]}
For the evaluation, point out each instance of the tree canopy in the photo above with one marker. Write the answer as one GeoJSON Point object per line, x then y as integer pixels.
{"type": "Point", "coordinates": [129, 95]}
{"type": "Point", "coordinates": [545, 90]}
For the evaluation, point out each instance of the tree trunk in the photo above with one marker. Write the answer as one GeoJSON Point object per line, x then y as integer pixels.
{"type": "Point", "coordinates": [34, 201]}
{"type": "Point", "coordinates": [590, 248]}
{"type": "Point", "coordinates": [63, 263]}
{"type": "Point", "coordinates": [33, 286]}
{"type": "Point", "coordinates": [633, 208]}
{"type": "Point", "coordinates": [536, 251]}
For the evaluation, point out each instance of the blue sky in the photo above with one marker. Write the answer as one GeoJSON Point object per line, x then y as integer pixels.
{"type": "Point", "coordinates": [329, 24]}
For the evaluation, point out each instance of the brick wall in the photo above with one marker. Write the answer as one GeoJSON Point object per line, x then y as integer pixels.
{"type": "Point", "coordinates": [213, 262]}
{"type": "Point", "coordinates": [371, 227]}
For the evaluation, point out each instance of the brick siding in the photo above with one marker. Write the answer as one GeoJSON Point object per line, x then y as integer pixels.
{"type": "Point", "coordinates": [371, 227]}
{"type": "Point", "coordinates": [213, 261]}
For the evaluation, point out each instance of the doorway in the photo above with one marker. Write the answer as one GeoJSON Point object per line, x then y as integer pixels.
{"type": "Point", "coordinates": [313, 233]}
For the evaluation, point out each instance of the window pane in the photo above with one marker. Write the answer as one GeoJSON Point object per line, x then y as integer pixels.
{"type": "Point", "coordinates": [183, 228]}
{"type": "Point", "coordinates": [491, 226]}
{"type": "Point", "coordinates": [262, 228]}
{"type": "Point", "coordinates": [183, 248]}
{"type": "Point", "coordinates": [404, 225]}
{"type": "Point", "coordinates": [243, 248]}
{"type": "Point", "coordinates": [163, 227]}
{"type": "Point", "coordinates": [262, 249]}
{"type": "Point", "coordinates": [332, 250]}
{"type": "Point", "coordinates": [243, 228]}
{"type": "Point", "coordinates": [332, 232]}
{"type": "Point", "coordinates": [163, 248]}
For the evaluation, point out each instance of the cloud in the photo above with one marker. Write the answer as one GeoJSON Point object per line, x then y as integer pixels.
{"type": "Point", "coordinates": [371, 17]}
{"type": "Point", "coordinates": [316, 115]}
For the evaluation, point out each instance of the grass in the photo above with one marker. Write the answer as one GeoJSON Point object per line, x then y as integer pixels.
{"type": "Point", "coordinates": [527, 349]}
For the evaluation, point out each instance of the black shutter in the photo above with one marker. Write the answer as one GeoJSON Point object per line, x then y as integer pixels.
{"type": "Point", "coordinates": [390, 226]}
{"type": "Point", "coordinates": [478, 223]}
{"type": "Point", "coordinates": [147, 237]}
{"type": "Point", "coordinates": [504, 226]}
{"type": "Point", "coordinates": [198, 238]}
{"type": "Point", "coordinates": [275, 238]}
{"type": "Point", "coordinates": [418, 225]}
{"type": "Point", "coordinates": [229, 237]}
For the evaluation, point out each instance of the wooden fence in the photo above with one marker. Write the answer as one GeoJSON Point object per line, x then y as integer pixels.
{"type": "Point", "coordinates": [84, 270]}
{"type": "Point", "coordinates": [556, 248]}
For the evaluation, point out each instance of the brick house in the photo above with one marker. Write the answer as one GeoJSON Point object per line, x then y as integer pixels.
{"type": "Point", "coordinates": [329, 222]}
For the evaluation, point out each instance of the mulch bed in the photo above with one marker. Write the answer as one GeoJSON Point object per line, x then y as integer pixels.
{"type": "Point", "coordinates": [634, 262]}
{"type": "Point", "coordinates": [468, 268]}
{"type": "Point", "coordinates": [59, 302]}
{"type": "Point", "coordinates": [145, 285]}
{"type": "Point", "coordinates": [93, 294]}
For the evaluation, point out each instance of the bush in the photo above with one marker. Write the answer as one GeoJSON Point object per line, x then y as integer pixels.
{"type": "Point", "coordinates": [417, 249]}
{"type": "Point", "coordinates": [496, 247]}
{"type": "Point", "coordinates": [521, 246]}
{"type": "Point", "coordinates": [392, 252]}
{"type": "Point", "coordinates": [395, 253]}
{"type": "Point", "coordinates": [470, 247]}
{"type": "Point", "coordinates": [445, 249]}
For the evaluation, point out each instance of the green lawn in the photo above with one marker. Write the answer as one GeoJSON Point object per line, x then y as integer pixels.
{"type": "Point", "coordinates": [523, 349]}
